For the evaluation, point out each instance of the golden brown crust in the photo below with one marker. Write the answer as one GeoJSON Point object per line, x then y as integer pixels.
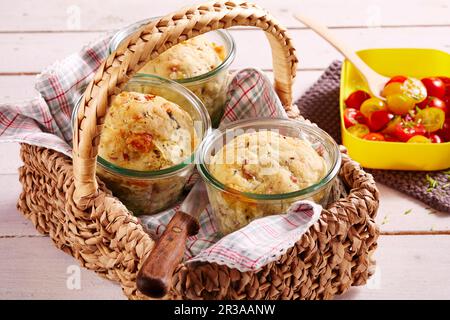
{"type": "Point", "coordinates": [190, 58]}
{"type": "Point", "coordinates": [146, 132]}
{"type": "Point", "coordinates": [266, 162]}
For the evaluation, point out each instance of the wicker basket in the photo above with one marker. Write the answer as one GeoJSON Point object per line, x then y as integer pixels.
{"type": "Point", "coordinates": [66, 201]}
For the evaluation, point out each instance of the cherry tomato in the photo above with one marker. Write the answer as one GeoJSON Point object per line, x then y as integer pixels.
{"type": "Point", "coordinates": [447, 104]}
{"type": "Point", "coordinates": [399, 79]}
{"type": "Point", "coordinates": [446, 81]}
{"type": "Point", "coordinates": [414, 89]}
{"type": "Point", "coordinates": [359, 130]}
{"type": "Point", "coordinates": [440, 104]}
{"type": "Point", "coordinates": [352, 117]}
{"type": "Point", "coordinates": [392, 88]}
{"type": "Point", "coordinates": [419, 139]}
{"type": "Point", "coordinates": [379, 119]}
{"type": "Point", "coordinates": [402, 96]}
{"type": "Point", "coordinates": [390, 138]}
{"type": "Point", "coordinates": [431, 118]}
{"type": "Point", "coordinates": [371, 105]}
{"type": "Point", "coordinates": [433, 102]}
{"type": "Point", "coordinates": [444, 133]}
{"type": "Point", "coordinates": [435, 87]}
{"type": "Point", "coordinates": [406, 130]}
{"type": "Point", "coordinates": [355, 99]}
{"type": "Point", "coordinates": [400, 103]}
{"type": "Point", "coordinates": [373, 136]}
{"type": "Point", "coordinates": [434, 138]}
{"type": "Point", "coordinates": [391, 126]}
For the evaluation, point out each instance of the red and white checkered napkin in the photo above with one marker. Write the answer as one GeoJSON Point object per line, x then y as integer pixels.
{"type": "Point", "coordinates": [262, 240]}
{"type": "Point", "coordinates": [46, 121]}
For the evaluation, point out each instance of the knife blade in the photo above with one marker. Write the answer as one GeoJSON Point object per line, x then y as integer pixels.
{"type": "Point", "coordinates": [154, 279]}
{"type": "Point", "coordinates": [196, 201]}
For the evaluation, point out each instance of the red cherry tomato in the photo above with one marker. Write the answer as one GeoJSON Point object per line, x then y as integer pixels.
{"type": "Point", "coordinates": [352, 117]}
{"type": "Point", "coordinates": [374, 136]}
{"type": "Point", "coordinates": [435, 87]}
{"type": "Point", "coordinates": [446, 81]}
{"type": "Point", "coordinates": [447, 104]}
{"type": "Point", "coordinates": [391, 126]}
{"type": "Point", "coordinates": [390, 138]}
{"type": "Point", "coordinates": [406, 130]}
{"type": "Point", "coordinates": [379, 120]}
{"type": "Point", "coordinates": [355, 99]}
{"type": "Point", "coordinates": [400, 79]}
{"type": "Point", "coordinates": [433, 102]}
{"type": "Point", "coordinates": [434, 138]}
{"type": "Point", "coordinates": [444, 133]}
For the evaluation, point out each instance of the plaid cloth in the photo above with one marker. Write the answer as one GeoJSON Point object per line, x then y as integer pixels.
{"type": "Point", "coordinates": [46, 121]}
{"type": "Point", "coordinates": [262, 240]}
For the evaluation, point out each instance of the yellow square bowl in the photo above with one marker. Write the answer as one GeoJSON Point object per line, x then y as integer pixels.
{"type": "Point", "coordinates": [418, 63]}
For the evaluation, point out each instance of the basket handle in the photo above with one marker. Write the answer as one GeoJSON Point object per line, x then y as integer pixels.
{"type": "Point", "coordinates": [146, 44]}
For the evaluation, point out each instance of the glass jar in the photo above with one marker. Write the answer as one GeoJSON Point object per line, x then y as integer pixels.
{"type": "Point", "coordinates": [234, 209]}
{"type": "Point", "coordinates": [211, 87]}
{"type": "Point", "coordinates": [148, 192]}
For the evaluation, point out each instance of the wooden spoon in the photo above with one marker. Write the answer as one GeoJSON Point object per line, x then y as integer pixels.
{"type": "Point", "coordinates": [375, 81]}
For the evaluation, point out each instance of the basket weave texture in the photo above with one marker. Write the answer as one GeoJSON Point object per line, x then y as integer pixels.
{"type": "Point", "coordinates": [64, 198]}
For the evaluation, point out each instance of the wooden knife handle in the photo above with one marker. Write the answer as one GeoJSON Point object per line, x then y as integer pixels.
{"type": "Point", "coordinates": [155, 276]}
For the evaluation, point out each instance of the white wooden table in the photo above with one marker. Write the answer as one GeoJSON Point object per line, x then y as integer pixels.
{"type": "Point", "coordinates": [414, 249]}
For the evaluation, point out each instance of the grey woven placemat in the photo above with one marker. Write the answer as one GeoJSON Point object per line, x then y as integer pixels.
{"type": "Point", "coordinates": [320, 104]}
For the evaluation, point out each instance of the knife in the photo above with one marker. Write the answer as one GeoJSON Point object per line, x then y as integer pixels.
{"type": "Point", "coordinates": [154, 279]}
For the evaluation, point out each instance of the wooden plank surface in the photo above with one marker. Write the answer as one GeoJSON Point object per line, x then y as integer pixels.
{"type": "Point", "coordinates": [69, 15]}
{"type": "Point", "coordinates": [12, 222]}
{"type": "Point", "coordinates": [32, 268]}
{"type": "Point", "coordinates": [408, 267]}
{"type": "Point", "coordinates": [20, 54]}
{"type": "Point", "coordinates": [30, 52]}
{"type": "Point", "coordinates": [408, 215]}
{"type": "Point", "coordinates": [16, 88]}
{"type": "Point", "coordinates": [9, 159]}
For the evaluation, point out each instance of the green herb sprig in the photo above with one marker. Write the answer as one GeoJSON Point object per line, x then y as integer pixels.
{"type": "Point", "coordinates": [432, 183]}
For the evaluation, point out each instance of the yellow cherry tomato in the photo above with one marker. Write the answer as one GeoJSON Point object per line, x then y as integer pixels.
{"type": "Point", "coordinates": [415, 89]}
{"type": "Point", "coordinates": [371, 105]}
{"type": "Point", "coordinates": [419, 139]}
{"type": "Point", "coordinates": [359, 130]}
{"type": "Point", "coordinates": [432, 118]}
{"type": "Point", "coordinates": [392, 88]}
{"type": "Point", "coordinates": [400, 103]}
